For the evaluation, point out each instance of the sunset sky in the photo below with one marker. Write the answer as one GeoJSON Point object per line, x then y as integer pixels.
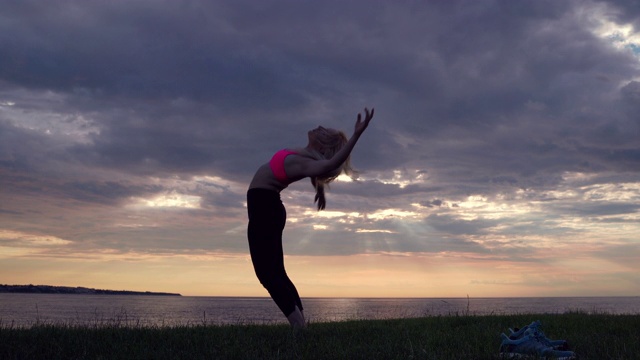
{"type": "Point", "coordinates": [503, 158]}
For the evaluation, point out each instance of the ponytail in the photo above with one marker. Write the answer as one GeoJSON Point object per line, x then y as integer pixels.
{"type": "Point", "coordinates": [319, 198]}
{"type": "Point", "coordinates": [330, 144]}
{"type": "Point", "coordinates": [321, 182]}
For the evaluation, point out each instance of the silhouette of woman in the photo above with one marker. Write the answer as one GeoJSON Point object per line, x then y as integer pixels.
{"type": "Point", "coordinates": [325, 157]}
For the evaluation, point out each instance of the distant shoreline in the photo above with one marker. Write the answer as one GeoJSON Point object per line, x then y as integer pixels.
{"type": "Point", "coordinates": [48, 289]}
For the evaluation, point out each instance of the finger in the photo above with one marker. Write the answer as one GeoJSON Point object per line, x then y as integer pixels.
{"type": "Point", "coordinates": [370, 116]}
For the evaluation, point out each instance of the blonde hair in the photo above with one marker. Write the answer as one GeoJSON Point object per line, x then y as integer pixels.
{"type": "Point", "coordinates": [327, 143]}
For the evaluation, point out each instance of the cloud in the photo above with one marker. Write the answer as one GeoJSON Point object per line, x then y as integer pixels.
{"type": "Point", "coordinates": [15, 238]}
{"type": "Point", "coordinates": [501, 128]}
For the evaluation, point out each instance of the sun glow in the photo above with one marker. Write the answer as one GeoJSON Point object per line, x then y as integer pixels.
{"type": "Point", "coordinates": [169, 200]}
{"type": "Point", "coordinates": [392, 213]}
{"type": "Point", "coordinates": [623, 37]}
{"type": "Point", "coordinates": [402, 178]}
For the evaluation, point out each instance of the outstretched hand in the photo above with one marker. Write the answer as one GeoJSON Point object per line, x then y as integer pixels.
{"type": "Point", "coordinates": [362, 125]}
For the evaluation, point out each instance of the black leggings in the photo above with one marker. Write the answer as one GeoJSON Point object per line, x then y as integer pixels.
{"type": "Point", "coordinates": [267, 217]}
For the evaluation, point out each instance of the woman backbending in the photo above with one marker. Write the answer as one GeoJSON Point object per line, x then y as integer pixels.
{"type": "Point", "coordinates": [324, 158]}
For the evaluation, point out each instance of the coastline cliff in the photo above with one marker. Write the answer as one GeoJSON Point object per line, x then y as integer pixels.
{"type": "Point", "coordinates": [48, 289]}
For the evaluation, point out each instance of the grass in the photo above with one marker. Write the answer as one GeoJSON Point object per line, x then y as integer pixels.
{"type": "Point", "coordinates": [591, 336]}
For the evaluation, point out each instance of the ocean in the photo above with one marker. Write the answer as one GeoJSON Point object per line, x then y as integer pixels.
{"type": "Point", "coordinates": [139, 310]}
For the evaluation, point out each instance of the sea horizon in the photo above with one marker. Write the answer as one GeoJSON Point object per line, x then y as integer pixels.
{"type": "Point", "coordinates": [111, 292]}
{"type": "Point", "coordinates": [422, 297]}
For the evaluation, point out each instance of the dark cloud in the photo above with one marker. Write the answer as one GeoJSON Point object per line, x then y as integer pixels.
{"type": "Point", "coordinates": [624, 11]}
{"type": "Point", "coordinates": [105, 102]}
{"type": "Point", "coordinates": [451, 225]}
{"type": "Point", "coordinates": [596, 209]}
{"type": "Point", "coordinates": [108, 192]}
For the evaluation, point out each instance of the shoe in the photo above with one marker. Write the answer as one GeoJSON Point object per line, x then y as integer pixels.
{"type": "Point", "coordinates": [531, 341]}
{"type": "Point", "coordinates": [535, 328]}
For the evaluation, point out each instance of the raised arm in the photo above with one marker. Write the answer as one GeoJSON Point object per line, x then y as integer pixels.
{"type": "Point", "coordinates": [312, 168]}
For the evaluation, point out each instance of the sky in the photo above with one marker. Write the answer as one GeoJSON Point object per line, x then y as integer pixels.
{"type": "Point", "coordinates": [503, 159]}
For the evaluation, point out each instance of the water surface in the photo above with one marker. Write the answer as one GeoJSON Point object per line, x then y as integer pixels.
{"type": "Point", "coordinates": [27, 309]}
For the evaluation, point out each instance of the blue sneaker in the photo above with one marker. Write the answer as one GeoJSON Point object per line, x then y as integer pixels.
{"type": "Point", "coordinates": [531, 341]}
{"type": "Point", "coordinates": [535, 328]}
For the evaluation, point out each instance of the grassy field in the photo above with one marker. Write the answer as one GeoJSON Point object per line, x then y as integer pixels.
{"type": "Point", "coordinates": [599, 336]}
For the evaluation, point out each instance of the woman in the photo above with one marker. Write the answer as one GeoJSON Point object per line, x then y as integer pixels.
{"type": "Point", "coordinates": [324, 158]}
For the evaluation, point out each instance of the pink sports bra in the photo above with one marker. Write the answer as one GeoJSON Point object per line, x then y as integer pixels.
{"type": "Point", "coordinates": [277, 164]}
